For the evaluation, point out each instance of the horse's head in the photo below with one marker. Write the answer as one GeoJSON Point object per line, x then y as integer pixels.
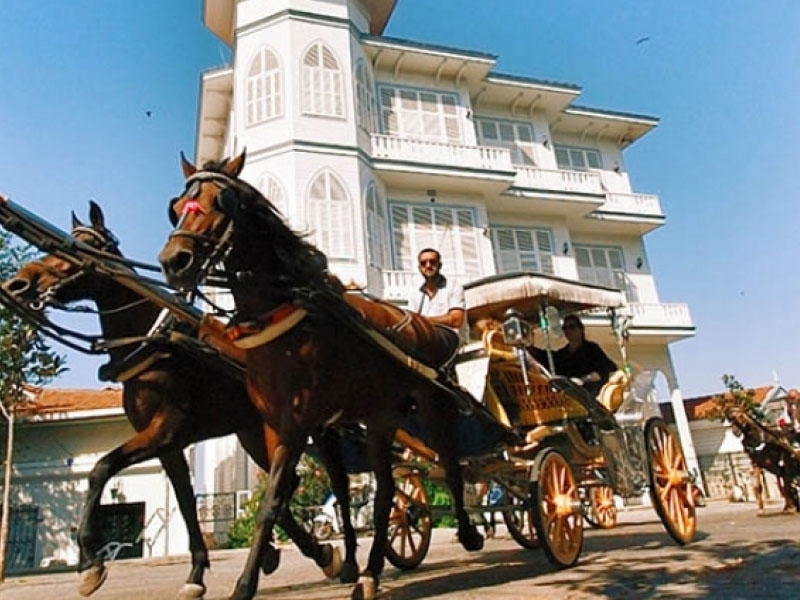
{"type": "Point", "coordinates": [202, 217]}
{"type": "Point", "coordinates": [220, 217]}
{"type": "Point", "coordinates": [56, 280]}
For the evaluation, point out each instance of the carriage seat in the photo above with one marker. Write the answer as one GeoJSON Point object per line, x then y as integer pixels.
{"type": "Point", "coordinates": [613, 391]}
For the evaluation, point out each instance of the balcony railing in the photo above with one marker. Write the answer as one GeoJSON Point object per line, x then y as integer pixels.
{"type": "Point", "coordinates": [636, 204]}
{"type": "Point", "coordinates": [397, 283]}
{"type": "Point", "coordinates": [660, 315]}
{"type": "Point", "coordinates": [394, 147]}
{"type": "Point", "coordinates": [585, 182]}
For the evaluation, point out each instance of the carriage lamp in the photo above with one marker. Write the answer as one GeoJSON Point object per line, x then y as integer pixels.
{"type": "Point", "coordinates": [516, 330]}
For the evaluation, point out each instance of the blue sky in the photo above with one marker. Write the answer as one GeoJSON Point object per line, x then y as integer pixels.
{"type": "Point", "coordinates": [77, 78]}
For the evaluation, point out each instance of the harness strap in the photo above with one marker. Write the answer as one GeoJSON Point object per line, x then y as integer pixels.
{"type": "Point", "coordinates": [266, 328]}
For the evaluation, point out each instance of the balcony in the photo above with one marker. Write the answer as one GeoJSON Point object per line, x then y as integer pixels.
{"type": "Point", "coordinates": [629, 213]}
{"type": "Point", "coordinates": [559, 180]}
{"type": "Point", "coordinates": [441, 165]}
{"type": "Point", "coordinates": [665, 322]}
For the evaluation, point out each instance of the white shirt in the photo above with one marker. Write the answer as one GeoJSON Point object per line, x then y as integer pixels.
{"type": "Point", "coordinates": [447, 296]}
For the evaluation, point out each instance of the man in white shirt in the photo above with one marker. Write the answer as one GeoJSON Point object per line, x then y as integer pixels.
{"type": "Point", "coordinates": [439, 299]}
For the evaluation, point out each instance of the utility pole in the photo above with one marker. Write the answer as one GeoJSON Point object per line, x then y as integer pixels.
{"type": "Point", "coordinates": [9, 413]}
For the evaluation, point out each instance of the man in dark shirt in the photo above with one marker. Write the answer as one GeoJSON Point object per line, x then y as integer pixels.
{"type": "Point", "coordinates": [581, 360]}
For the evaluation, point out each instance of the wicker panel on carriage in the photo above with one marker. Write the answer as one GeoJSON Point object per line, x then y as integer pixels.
{"type": "Point", "coordinates": [535, 404]}
{"type": "Point", "coordinates": [541, 405]}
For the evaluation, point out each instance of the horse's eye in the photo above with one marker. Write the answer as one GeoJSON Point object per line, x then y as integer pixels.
{"type": "Point", "coordinates": [173, 216]}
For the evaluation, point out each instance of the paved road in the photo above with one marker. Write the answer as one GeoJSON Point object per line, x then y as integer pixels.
{"type": "Point", "coordinates": [737, 554]}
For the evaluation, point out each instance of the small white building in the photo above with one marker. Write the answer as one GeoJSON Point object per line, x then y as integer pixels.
{"type": "Point", "coordinates": [59, 437]}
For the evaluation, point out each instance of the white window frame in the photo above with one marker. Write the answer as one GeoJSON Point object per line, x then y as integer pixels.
{"type": "Point", "coordinates": [272, 190]}
{"type": "Point", "coordinates": [515, 136]}
{"type": "Point", "coordinates": [264, 88]}
{"type": "Point", "coordinates": [330, 218]}
{"type": "Point", "coordinates": [578, 158]}
{"type": "Point", "coordinates": [420, 113]}
{"type": "Point", "coordinates": [322, 88]}
{"type": "Point", "coordinates": [450, 229]}
{"type": "Point", "coordinates": [526, 249]}
{"type": "Point", "coordinates": [375, 215]}
{"type": "Point", "coordinates": [366, 108]}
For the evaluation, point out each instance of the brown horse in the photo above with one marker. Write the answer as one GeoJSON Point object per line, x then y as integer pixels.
{"type": "Point", "coordinates": [171, 403]}
{"type": "Point", "coordinates": [770, 448]}
{"type": "Point", "coordinates": [314, 361]}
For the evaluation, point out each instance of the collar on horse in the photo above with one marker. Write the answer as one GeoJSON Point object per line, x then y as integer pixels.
{"type": "Point", "coordinates": [270, 326]}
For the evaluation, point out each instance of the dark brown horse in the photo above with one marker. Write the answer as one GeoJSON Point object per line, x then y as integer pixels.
{"type": "Point", "coordinates": [315, 360]}
{"type": "Point", "coordinates": [171, 403]}
{"type": "Point", "coordinates": [771, 449]}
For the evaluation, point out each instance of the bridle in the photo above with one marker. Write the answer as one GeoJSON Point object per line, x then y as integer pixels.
{"type": "Point", "coordinates": [33, 310]}
{"type": "Point", "coordinates": [215, 248]}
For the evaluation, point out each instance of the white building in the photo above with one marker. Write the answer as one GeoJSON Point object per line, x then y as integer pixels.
{"type": "Point", "coordinates": [381, 146]}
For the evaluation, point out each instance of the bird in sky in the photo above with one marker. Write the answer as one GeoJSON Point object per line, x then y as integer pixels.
{"type": "Point", "coordinates": [642, 40]}
{"type": "Point", "coordinates": [148, 113]}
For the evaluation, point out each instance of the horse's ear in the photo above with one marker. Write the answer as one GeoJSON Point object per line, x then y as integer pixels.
{"type": "Point", "coordinates": [96, 216]}
{"type": "Point", "coordinates": [76, 222]}
{"type": "Point", "coordinates": [234, 166]}
{"type": "Point", "coordinates": [188, 168]}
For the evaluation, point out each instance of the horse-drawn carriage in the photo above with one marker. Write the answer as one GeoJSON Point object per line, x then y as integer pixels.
{"type": "Point", "coordinates": [576, 452]}
{"type": "Point", "coordinates": [771, 447]}
{"type": "Point", "coordinates": [550, 448]}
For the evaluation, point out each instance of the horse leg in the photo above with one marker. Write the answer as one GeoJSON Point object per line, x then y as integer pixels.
{"type": "Point", "coordinates": [177, 470]}
{"type": "Point", "coordinates": [91, 570]}
{"type": "Point", "coordinates": [279, 492]}
{"type": "Point", "coordinates": [379, 448]}
{"type": "Point", "coordinates": [442, 410]}
{"type": "Point", "coordinates": [325, 555]}
{"type": "Point", "coordinates": [329, 445]}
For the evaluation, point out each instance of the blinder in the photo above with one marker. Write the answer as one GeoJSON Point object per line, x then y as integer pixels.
{"type": "Point", "coordinates": [173, 216]}
{"type": "Point", "coordinates": [227, 201]}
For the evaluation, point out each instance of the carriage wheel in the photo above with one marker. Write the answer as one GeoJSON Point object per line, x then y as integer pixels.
{"type": "Point", "coordinates": [602, 508]}
{"type": "Point", "coordinates": [557, 511]}
{"type": "Point", "coordinates": [519, 522]}
{"type": "Point", "coordinates": [410, 523]}
{"type": "Point", "coordinates": [670, 483]}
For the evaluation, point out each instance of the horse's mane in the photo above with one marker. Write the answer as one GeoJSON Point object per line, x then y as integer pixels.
{"type": "Point", "coordinates": [298, 256]}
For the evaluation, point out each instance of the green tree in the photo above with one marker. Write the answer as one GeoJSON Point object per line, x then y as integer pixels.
{"type": "Point", "coordinates": [25, 359]}
{"type": "Point", "coordinates": [311, 492]}
{"type": "Point", "coordinates": [736, 396]}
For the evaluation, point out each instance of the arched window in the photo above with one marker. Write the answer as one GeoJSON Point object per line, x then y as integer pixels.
{"type": "Point", "coordinates": [365, 98]}
{"type": "Point", "coordinates": [321, 83]}
{"type": "Point", "coordinates": [273, 191]}
{"type": "Point", "coordinates": [329, 216]}
{"type": "Point", "coordinates": [376, 228]}
{"type": "Point", "coordinates": [264, 87]}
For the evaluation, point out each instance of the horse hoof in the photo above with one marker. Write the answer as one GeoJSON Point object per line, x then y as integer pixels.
{"type": "Point", "coordinates": [270, 560]}
{"type": "Point", "coordinates": [191, 591]}
{"type": "Point", "coordinates": [334, 567]}
{"type": "Point", "coordinates": [91, 579]}
{"type": "Point", "coordinates": [470, 539]}
{"type": "Point", "coordinates": [366, 588]}
{"type": "Point", "coordinates": [349, 573]}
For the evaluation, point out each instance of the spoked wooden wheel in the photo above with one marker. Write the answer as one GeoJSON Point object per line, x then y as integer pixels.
{"type": "Point", "coordinates": [670, 483]}
{"type": "Point", "coordinates": [602, 508]}
{"type": "Point", "coordinates": [519, 522]}
{"type": "Point", "coordinates": [410, 522]}
{"type": "Point", "coordinates": [557, 510]}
